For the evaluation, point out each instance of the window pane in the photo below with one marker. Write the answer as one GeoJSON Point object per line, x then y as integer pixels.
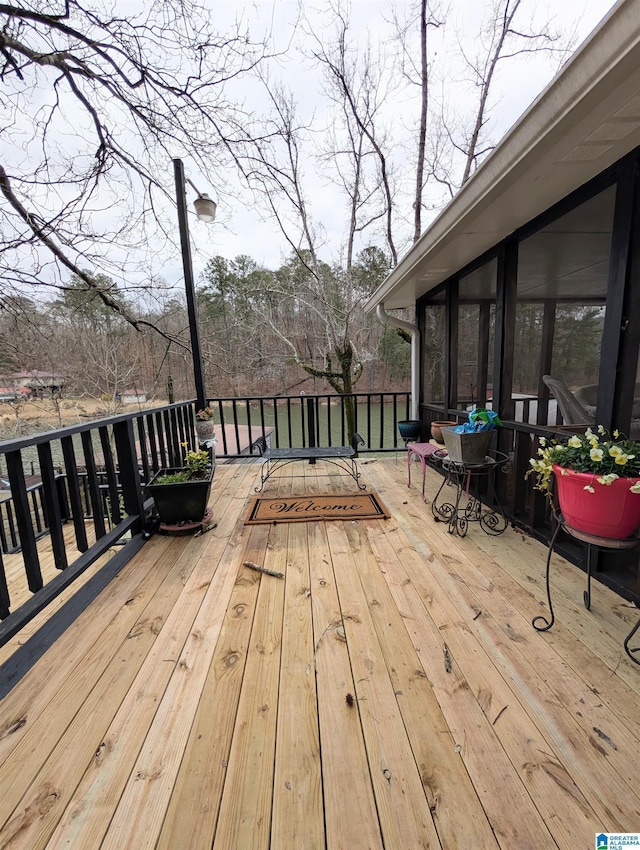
{"type": "Point", "coordinates": [434, 354]}
{"type": "Point", "coordinates": [476, 335]}
{"type": "Point", "coordinates": [563, 272]}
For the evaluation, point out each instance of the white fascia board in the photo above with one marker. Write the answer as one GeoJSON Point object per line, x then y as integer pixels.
{"type": "Point", "coordinates": [600, 72]}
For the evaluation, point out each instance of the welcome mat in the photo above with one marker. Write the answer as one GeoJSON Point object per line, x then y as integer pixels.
{"type": "Point", "coordinates": [305, 508]}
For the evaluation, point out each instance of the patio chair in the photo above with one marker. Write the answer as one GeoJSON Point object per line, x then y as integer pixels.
{"type": "Point", "coordinates": [587, 397]}
{"type": "Point", "coordinates": [573, 413]}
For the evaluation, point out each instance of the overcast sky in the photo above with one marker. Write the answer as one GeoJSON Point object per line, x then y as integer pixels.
{"type": "Point", "coordinates": [292, 30]}
{"type": "Point", "coordinates": [243, 230]}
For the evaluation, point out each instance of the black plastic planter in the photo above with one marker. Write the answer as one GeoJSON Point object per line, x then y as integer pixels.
{"type": "Point", "coordinates": [185, 501]}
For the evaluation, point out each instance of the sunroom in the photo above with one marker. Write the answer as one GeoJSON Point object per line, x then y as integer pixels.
{"type": "Point", "coordinates": [526, 287]}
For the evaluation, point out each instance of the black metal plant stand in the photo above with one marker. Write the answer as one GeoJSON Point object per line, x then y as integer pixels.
{"type": "Point", "coordinates": [541, 623]}
{"type": "Point", "coordinates": [466, 506]}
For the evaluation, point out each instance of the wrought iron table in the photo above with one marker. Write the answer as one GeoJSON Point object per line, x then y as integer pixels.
{"type": "Point", "coordinates": [593, 542]}
{"type": "Point", "coordinates": [467, 506]}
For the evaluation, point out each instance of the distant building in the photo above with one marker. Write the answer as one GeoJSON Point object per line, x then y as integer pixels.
{"type": "Point", "coordinates": [40, 383]}
{"type": "Point", "coordinates": [133, 396]}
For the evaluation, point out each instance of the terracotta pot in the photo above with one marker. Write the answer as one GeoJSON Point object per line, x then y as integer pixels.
{"type": "Point", "coordinates": [612, 511]}
{"type": "Point", "coordinates": [436, 431]}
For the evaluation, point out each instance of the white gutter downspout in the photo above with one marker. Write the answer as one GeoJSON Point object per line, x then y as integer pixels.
{"type": "Point", "coordinates": [415, 354]}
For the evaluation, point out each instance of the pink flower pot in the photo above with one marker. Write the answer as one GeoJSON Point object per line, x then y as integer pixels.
{"type": "Point", "coordinates": [611, 511]}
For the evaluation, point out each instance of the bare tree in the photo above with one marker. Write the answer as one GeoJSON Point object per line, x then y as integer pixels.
{"type": "Point", "coordinates": [421, 18]}
{"type": "Point", "coordinates": [355, 81]}
{"type": "Point", "coordinates": [305, 313]}
{"type": "Point", "coordinates": [505, 35]}
{"type": "Point", "coordinates": [326, 299]}
{"type": "Point", "coordinates": [94, 106]}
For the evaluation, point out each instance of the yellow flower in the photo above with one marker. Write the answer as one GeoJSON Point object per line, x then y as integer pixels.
{"type": "Point", "coordinates": [608, 479]}
{"type": "Point", "coordinates": [635, 488]}
{"type": "Point", "coordinates": [599, 455]}
{"type": "Point", "coordinates": [589, 488]}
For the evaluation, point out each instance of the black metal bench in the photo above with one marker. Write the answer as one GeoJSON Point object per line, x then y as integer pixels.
{"type": "Point", "coordinates": [342, 456]}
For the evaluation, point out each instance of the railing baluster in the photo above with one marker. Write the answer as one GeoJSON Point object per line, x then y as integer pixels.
{"type": "Point", "coordinates": [37, 516]}
{"type": "Point", "coordinates": [92, 483]}
{"type": "Point", "coordinates": [142, 452]}
{"type": "Point", "coordinates": [262, 426]}
{"type": "Point", "coordinates": [162, 447]}
{"type": "Point", "coordinates": [223, 429]}
{"type": "Point", "coordinates": [75, 498]}
{"type": "Point", "coordinates": [112, 484]}
{"type": "Point", "coordinates": [234, 410]}
{"type": "Point", "coordinates": [15, 543]}
{"type": "Point", "coordinates": [171, 436]}
{"type": "Point", "coordinates": [4, 505]}
{"type": "Point", "coordinates": [190, 426]}
{"type": "Point", "coordinates": [52, 505]}
{"type": "Point", "coordinates": [248, 409]}
{"type": "Point", "coordinates": [276, 420]}
{"type": "Point", "coordinates": [153, 447]}
{"type": "Point", "coordinates": [23, 518]}
{"type": "Point", "coordinates": [5, 601]}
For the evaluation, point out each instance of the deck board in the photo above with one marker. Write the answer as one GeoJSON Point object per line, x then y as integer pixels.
{"type": "Point", "coordinates": [298, 819]}
{"type": "Point", "coordinates": [199, 704]}
{"type": "Point", "coordinates": [351, 818]}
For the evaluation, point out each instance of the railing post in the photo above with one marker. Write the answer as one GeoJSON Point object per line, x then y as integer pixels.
{"type": "Point", "coordinates": [311, 426]}
{"type": "Point", "coordinates": [129, 473]}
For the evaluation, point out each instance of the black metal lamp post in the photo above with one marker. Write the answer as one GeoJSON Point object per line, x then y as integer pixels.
{"type": "Point", "coordinates": [206, 211]}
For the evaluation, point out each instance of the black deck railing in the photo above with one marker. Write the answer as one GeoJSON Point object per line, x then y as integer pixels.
{"type": "Point", "coordinates": [303, 420]}
{"type": "Point", "coordinates": [91, 477]}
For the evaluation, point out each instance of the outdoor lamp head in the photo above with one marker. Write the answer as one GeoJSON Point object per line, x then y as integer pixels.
{"type": "Point", "coordinates": [205, 208]}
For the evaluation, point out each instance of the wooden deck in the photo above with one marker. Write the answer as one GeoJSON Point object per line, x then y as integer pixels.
{"type": "Point", "coordinates": [198, 704]}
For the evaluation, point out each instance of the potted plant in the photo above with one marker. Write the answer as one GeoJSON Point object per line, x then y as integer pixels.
{"type": "Point", "coordinates": [410, 429]}
{"type": "Point", "coordinates": [205, 427]}
{"type": "Point", "coordinates": [438, 425]}
{"type": "Point", "coordinates": [597, 479]}
{"type": "Point", "coordinates": [181, 493]}
{"type": "Point", "coordinates": [470, 441]}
